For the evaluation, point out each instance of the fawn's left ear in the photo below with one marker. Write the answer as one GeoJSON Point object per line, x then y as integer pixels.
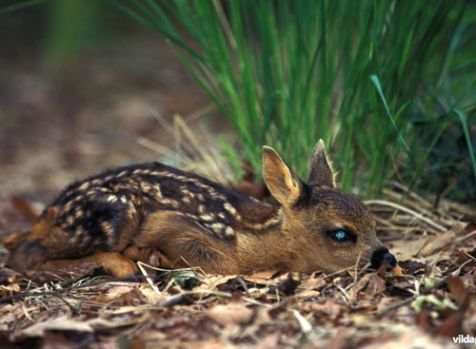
{"type": "Point", "coordinates": [282, 183]}
{"type": "Point", "coordinates": [321, 173]}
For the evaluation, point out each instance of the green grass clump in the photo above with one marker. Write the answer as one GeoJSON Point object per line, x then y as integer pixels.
{"type": "Point", "coordinates": [366, 76]}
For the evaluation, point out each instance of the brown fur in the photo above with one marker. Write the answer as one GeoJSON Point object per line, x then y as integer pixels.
{"type": "Point", "coordinates": [171, 218]}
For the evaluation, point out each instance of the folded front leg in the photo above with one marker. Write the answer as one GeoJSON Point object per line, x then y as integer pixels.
{"type": "Point", "coordinates": [148, 255]}
{"type": "Point", "coordinates": [184, 243]}
{"type": "Point", "coordinates": [113, 263]}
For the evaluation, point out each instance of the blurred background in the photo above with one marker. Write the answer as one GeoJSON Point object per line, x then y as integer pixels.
{"type": "Point", "coordinates": [390, 87]}
{"type": "Point", "coordinates": [80, 83]}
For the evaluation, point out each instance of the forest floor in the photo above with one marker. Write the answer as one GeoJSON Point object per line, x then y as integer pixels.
{"type": "Point", "coordinates": [51, 134]}
{"type": "Point", "coordinates": [427, 305]}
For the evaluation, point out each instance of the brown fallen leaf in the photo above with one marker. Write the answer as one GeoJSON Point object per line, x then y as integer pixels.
{"type": "Point", "coordinates": [306, 294]}
{"type": "Point", "coordinates": [436, 243]}
{"type": "Point", "coordinates": [451, 326]}
{"type": "Point", "coordinates": [9, 314]}
{"type": "Point", "coordinates": [61, 323]}
{"type": "Point", "coordinates": [261, 278]}
{"type": "Point", "coordinates": [469, 279]}
{"type": "Point", "coordinates": [339, 340]}
{"type": "Point", "coordinates": [423, 320]}
{"type": "Point", "coordinates": [269, 341]}
{"type": "Point", "coordinates": [367, 287]}
{"type": "Point", "coordinates": [314, 282]}
{"type": "Point", "coordinates": [407, 249]}
{"type": "Point", "coordinates": [123, 296]}
{"type": "Point", "coordinates": [212, 282]}
{"type": "Point", "coordinates": [412, 267]}
{"type": "Point", "coordinates": [151, 296]}
{"type": "Point", "coordinates": [458, 291]}
{"type": "Point", "coordinates": [230, 314]}
{"type": "Point", "coordinates": [260, 318]}
{"type": "Point", "coordinates": [330, 309]}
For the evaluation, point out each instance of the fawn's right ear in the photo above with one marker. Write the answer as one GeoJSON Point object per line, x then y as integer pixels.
{"type": "Point", "coordinates": [284, 185]}
{"type": "Point", "coordinates": [321, 173]}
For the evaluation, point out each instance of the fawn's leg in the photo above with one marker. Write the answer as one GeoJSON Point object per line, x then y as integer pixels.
{"type": "Point", "coordinates": [51, 238]}
{"type": "Point", "coordinates": [148, 255]}
{"type": "Point", "coordinates": [186, 244]}
{"type": "Point", "coordinates": [113, 263]}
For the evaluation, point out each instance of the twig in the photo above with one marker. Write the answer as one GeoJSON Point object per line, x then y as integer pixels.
{"type": "Point", "coordinates": [306, 327]}
{"type": "Point", "coordinates": [406, 210]}
{"type": "Point", "coordinates": [344, 293]}
{"type": "Point", "coordinates": [26, 312]}
{"type": "Point", "coordinates": [71, 308]}
{"type": "Point", "coordinates": [457, 272]}
{"type": "Point", "coordinates": [147, 277]}
{"type": "Point", "coordinates": [467, 236]}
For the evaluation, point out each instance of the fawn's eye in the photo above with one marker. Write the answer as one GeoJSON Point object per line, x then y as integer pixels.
{"type": "Point", "coordinates": [341, 235]}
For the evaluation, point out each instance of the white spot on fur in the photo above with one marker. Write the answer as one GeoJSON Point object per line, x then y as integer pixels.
{"type": "Point", "coordinates": [84, 186]}
{"type": "Point", "coordinates": [206, 217]}
{"type": "Point", "coordinates": [217, 227]}
{"type": "Point", "coordinates": [69, 220]}
{"type": "Point", "coordinates": [111, 198]}
{"type": "Point", "coordinates": [145, 186]}
{"type": "Point", "coordinates": [229, 232]}
{"type": "Point", "coordinates": [228, 207]}
{"type": "Point", "coordinates": [68, 206]}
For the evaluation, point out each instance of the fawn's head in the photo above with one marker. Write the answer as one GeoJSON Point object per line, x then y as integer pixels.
{"type": "Point", "coordinates": [333, 229]}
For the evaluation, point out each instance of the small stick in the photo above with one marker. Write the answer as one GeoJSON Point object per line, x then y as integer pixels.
{"type": "Point", "coordinates": [306, 327]}
{"type": "Point", "coordinates": [147, 277]}
{"type": "Point", "coordinates": [406, 210]}
{"type": "Point", "coordinates": [344, 293]}
{"type": "Point", "coordinates": [467, 236]}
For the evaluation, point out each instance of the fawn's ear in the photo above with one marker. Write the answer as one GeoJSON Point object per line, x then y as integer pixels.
{"type": "Point", "coordinates": [284, 185]}
{"type": "Point", "coordinates": [321, 173]}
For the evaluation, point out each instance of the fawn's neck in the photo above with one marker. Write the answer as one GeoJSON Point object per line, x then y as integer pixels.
{"type": "Point", "coordinates": [272, 248]}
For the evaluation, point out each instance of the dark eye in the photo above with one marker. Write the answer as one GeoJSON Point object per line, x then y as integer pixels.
{"type": "Point", "coordinates": [341, 235]}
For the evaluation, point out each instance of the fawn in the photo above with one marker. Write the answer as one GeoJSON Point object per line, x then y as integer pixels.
{"type": "Point", "coordinates": [170, 218]}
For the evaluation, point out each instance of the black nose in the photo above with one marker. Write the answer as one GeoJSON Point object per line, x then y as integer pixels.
{"type": "Point", "coordinates": [380, 256]}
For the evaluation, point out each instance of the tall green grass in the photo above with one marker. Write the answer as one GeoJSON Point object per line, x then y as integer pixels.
{"type": "Point", "coordinates": [72, 26]}
{"type": "Point", "coordinates": [362, 75]}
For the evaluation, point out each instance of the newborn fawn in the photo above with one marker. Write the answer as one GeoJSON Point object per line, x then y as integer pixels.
{"type": "Point", "coordinates": [170, 218]}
